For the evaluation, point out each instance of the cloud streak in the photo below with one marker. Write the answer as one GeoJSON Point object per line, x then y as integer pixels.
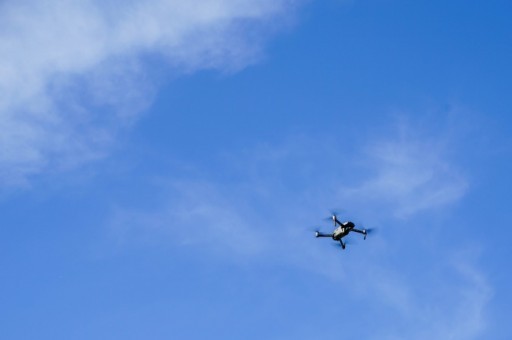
{"type": "Point", "coordinates": [275, 192]}
{"type": "Point", "coordinates": [72, 74]}
{"type": "Point", "coordinates": [452, 304]}
{"type": "Point", "coordinates": [407, 174]}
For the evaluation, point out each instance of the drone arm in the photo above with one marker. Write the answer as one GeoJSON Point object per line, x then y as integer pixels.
{"type": "Point", "coordinates": [319, 234]}
{"type": "Point", "coordinates": [364, 232]}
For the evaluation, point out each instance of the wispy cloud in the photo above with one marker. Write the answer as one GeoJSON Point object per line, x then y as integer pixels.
{"type": "Point", "coordinates": [452, 304]}
{"type": "Point", "coordinates": [290, 184]}
{"type": "Point", "coordinates": [73, 73]}
{"type": "Point", "coordinates": [194, 214]}
{"type": "Point", "coordinates": [274, 193]}
{"type": "Point", "coordinates": [407, 173]}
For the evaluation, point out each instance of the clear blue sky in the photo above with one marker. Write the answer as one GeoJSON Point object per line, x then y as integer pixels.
{"type": "Point", "coordinates": [163, 166]}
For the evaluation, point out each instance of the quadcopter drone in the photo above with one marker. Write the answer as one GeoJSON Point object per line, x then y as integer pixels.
{"type": "Point", "coordinates": [341, 230]}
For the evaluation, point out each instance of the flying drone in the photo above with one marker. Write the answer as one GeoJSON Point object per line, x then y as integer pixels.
{"type": "Point", "coordinates": [342, 229]}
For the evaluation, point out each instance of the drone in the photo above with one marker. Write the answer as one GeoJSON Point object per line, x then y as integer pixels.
{"type": "Point", "coordinates": [341, 230]}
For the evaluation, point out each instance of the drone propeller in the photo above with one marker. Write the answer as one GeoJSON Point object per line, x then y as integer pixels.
{"type": "Point", "coordinates": [337, 212]}
{"type": "Point", "coordinates": [368, 231]}
{"type": "Point", "coordinates": [333, 217]}
{"type": "Point", "coordinates": [314, 229]}
{"type": "Point", "coordinates": [334, 212]}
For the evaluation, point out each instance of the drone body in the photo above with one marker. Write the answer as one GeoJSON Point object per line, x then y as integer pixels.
{"type": "Point", "coordinates": [341, 230]}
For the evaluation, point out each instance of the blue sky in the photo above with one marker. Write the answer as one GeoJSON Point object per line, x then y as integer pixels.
{"type": "Point", "coordinates": [163, 166]}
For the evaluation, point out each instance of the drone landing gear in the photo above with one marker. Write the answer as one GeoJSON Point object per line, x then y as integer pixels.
{"type": "Point", "coordinates": [342, 245]}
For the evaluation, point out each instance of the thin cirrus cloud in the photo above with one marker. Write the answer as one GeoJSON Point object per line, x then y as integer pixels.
{"type": "Point", "coordinates": [263, 212]}
{"type": "Point", "coordinates": [73, 73]}
{"type": "Point", "coordinates": [267, 188]}
{"type": "Point", "coordinates": [408, 174]}
{"type": "Point", "coordinates": [456, 309]}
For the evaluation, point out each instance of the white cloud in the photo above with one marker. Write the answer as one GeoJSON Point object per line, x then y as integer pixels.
{"type": "Point", "coordinates": [408, 173]}
{"type": "Point", "coordinates": [276, 188]}
{"type": "Point", "coordinates": [274, 193]}
{"type": "Point", "coordinates": [193, 214]}
{"type": "Point", "coordinates": [451, 304]}
{"type": "Point", "coordinates": [72, 73]}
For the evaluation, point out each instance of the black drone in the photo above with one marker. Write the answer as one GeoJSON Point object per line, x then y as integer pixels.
{"type": "Point", "coordinates": [341, 230]}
